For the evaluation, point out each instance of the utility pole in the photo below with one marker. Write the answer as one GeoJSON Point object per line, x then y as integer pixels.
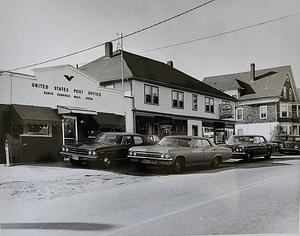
{"type": "Point", "coordinates": [122, 62]}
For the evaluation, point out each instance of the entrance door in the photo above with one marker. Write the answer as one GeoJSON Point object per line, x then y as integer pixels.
{"type": "Point", "coordinates": [69, 130]}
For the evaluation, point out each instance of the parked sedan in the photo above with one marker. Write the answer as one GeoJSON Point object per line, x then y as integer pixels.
{"type": "Point", "coordinates": [179, 152]}
{"type": "Point", "coordinates": [105, 149]}
{"type": "Point", "coordinates": [248, 147]}
{"type": "Point", "coordinates": [289, 143]}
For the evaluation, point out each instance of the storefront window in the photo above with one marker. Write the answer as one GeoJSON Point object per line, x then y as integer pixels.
{"type": "Point", "coordinates": [37, 129]}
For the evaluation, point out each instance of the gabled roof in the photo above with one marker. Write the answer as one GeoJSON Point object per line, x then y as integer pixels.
{"type": "Point", "coordinates": [136, 67]}
{"type": "Point", "coordinates": [268, 82]}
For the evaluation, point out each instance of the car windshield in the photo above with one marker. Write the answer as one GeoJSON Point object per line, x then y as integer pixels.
{"type": "Point", "coordinates": [239, 139]}
{"type": "Point", "coordinates": [111, 139]}
{"type": "Point", "coordinates": [174, 141]}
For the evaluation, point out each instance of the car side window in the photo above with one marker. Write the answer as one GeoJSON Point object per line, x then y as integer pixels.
{"type": "Point", "coordinates": [197, 143]}
{"type": "Point", "coordinates": [138, 140]}
{"type": "Point", "coordinates": [262, 140]}
{"type": "Point", "coordinates": [127, 140]}
{"type": "Point", "coordinates": [205, 143]}
{"type": "Point", "coordinates": [184, 142]}
{"type": "Point", "coordinates": [255, 140]}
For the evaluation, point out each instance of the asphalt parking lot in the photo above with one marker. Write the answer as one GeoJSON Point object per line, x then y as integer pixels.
{"type": "Point", "coordinates": [261, 197]}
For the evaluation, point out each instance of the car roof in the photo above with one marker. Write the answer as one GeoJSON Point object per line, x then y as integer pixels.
{"type": "Point", "coordinates": [251, 135]}
{"type": "Point", "coordinates": [186, 136]}
{"type": "Point", "coordinates": [121, 133]}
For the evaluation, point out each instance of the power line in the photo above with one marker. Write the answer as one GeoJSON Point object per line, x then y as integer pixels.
{"type": "Point", "coordinates": [125, 36]}
{"type": "Point", "coordinates": [220, 34]}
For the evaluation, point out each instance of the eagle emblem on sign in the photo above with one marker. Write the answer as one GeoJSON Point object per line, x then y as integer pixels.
{"type": "Point", "coordinates": [69, 77]}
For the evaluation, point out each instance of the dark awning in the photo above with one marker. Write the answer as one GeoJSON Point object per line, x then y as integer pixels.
{"type": "Point", "coordinates": [110, 119]}
{"type": "Point", "coordinates": [22, 114]}
{"type": "Point", "coordinates": [63, 110]}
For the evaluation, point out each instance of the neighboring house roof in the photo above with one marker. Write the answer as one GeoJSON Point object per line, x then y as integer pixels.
{"type": "Point", "coordinates": [136, 67]}
{"type": "Point", "coordinates": [268, 82]}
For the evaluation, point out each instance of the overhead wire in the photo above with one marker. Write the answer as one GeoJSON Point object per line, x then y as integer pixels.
{"type": "Point", "coordinates": [118, 38]}
{"type": "Point", "coordinates": [221, 34]}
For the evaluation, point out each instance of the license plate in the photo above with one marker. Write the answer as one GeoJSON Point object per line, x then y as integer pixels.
{"type": "Point", "coordinates": [146, 161]}
{"type": "Point", "coordinates": [76, 158]}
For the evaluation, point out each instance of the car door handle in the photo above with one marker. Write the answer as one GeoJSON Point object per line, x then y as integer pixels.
{"type": "Point", "coordinates": [25, 144]}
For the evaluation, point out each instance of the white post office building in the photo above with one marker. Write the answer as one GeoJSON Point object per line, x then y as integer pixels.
{"type": "Point", "coordinates": [58, 105]}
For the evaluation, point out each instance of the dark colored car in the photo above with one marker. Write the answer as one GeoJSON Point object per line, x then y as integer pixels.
{"type": "Point", "coordinates": [248, 147]}
{"type": "Point", "coordinates": [106, 149]}
{"type": "Point", "coordinates": [178, 152]}
{"type": "Point", "coordinates": [289, 143]}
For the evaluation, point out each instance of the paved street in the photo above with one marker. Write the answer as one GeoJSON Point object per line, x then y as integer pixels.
{"type": "Point", "coordinates": [244, 198]}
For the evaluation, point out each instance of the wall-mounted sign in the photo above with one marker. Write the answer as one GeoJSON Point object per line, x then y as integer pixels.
{"type": "Point", "coordinates": [61, 91]}
{"type": "Point", "coordinates": [226, 111]}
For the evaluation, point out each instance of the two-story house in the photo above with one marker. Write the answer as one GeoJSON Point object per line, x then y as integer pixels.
{"type": "Point", "coordinates": [162, 100]}
{"type": "Point", "coordinates": [268, 103]}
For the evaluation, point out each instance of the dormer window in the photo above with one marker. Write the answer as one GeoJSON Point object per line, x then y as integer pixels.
{"type": "Point", "coordinates": [291, 94]}
{"type": "Point", "coordinates": [284, 92]}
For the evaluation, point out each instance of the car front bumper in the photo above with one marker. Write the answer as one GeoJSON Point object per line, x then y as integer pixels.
{"type": "Point", "coordinates": [288, 149]}
{"type": "Point", "coordinates": [78, 157]}
{"type": "Point", "coordinates": [238, 155]}
{"type": "Point", "coordinates": [151, 161]}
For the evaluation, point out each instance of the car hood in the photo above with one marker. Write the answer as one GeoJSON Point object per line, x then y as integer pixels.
{"type": "Point", "coordinates": [155, 148]}
{"type": "Point", "coordinates": [92, 146]}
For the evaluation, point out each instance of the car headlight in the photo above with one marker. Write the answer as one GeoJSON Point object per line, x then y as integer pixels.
{"type": "Point", "coordinates": [66, 149]}
{"type": "Point", "coordinates": [94, 153]}
{"type": "Point", "coordinates": [63, 149]}
{"type": "Point", "coordinates": [296, 147]}
{"type": "Point", "coordinates": [90, 152]}
{"type": "Point", "coordinates": [134, 153]}
{"type": "Point", "coordinates": [167, 155]}
{"type": "Point", "coordinates": [280, 145]}
{"type": "Point", "coordinates": [239, 149]}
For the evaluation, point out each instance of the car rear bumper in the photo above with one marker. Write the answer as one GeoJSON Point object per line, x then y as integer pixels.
{"type": "Point", "coordinates": [151, 161]}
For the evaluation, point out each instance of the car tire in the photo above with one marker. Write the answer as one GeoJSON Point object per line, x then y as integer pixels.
{"type": "Point", "coordinates": [249, 157]}
{"type": "Point", "coordinates": [75, 162]}
{"type": "Point", "coordinates": [216, 162]}
{"type": "Point", "coordinates": [178, 165]}
{"type": "Point", "coordinates": [268, 155]}
{"type": "Point", "coordinates": [108, 163]}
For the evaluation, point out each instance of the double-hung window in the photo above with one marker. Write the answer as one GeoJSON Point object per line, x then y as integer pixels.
{"type": "Point", "coordinates": [239, 114]}
{"type": "Point", "coordinates": [177, 99]}
{"type": "Point", "coordinates": [209, 105]}
{"type": "Point", "coordinates": [151, 95]}
{"type": "Point", "coordinates": [195, 102]}
{"type": "Point", "coordinates": [263, 111]}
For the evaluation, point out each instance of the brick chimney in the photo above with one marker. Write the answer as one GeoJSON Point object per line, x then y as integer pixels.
{"type": "Point", "coordinates": [170, 63]}
{"type": "Point", "coordinates": [252, 71]}
{"type": "Point", "coordinates": [108, 49]}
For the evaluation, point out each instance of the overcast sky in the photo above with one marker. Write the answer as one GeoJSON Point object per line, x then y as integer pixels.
{"type": "Point", "coordinates": [37, 30]}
